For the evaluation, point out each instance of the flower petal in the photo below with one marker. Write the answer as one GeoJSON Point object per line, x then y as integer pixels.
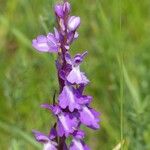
{"type": "Point", "coordinates": [76, 35]}
{"type": "Point", "coordinates": [53, 133]}
{"type": "Point", "coordinates": [68, 98]}
{"type": "Point", "coordinates": [78, 58]}
{"type": "Point", "coordinates": [55, 109]}
{"type": "Point", "coordinates": [41, 44]}
{"type": "Point", "coordinates": [68, 58]}
{"type": "Point", "coordinates": [84, 100]}
{"type": "Point", "coordinates": [79, 134]}
{"type": "Point", "coordinates": [76, 76]}
{"type": "Point", "coordinates": [46, 44]}
{"type": "Point", "coordinates": [50, 146]}
{"type": "Point", "coordinates": [77, 144]}
{"type": "Point", "coordinates": [66, 124]}
{"type": "Point", "coordinates": [53, 43]}
{"type": "Point", "coordinates": [89, 117]}
{"type": "Point", "coordinates": [57, 35]}
{"type": "Point", "coordinates": [73, 23]}
{"type": "Point", "coordinates": [40, 137]}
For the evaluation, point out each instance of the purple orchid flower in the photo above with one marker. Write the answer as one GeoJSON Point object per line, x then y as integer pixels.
{"type": "Point", "coordinates": [72, 98]}
{"type": "Point", "coordinates": [48, 141]}
{"type": "Point", "coordinates": [49, 43]}
{"type": "Point", "coordinates": [76, 76]}
{"type": "Point", "coordinates": [67, 123]}
{"type": "Point", "coordinates": [77, 142]}
{"type": "Point", "coordinates": [72, 108]}
{"type": "Point", "coordinates": [68, 98]}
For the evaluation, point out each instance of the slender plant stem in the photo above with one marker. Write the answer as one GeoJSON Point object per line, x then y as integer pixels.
{"type": "Point", "coordinates": [121, 104]}
{"type": "Point", "coordinates": [121, 76]}
{"type": "Point", "coordinates": [61, 61]}
{"type": "Point", "coordinates": [61, 143]}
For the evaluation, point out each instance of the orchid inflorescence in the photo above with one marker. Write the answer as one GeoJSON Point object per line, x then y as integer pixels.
{"type": "Point", "coordinates": [73, 107]}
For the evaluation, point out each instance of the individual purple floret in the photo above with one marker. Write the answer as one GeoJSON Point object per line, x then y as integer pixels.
{"type": "Point", "coordinates": [75, 76]}
{"type": "Point", "coordinates": [72, 108]}
{"type": "Point", "coordinates": [66, 121]}
{"type": "Point", "coordinates": [68, 98]}
{"type": "Point", "coordinates": [49, 43]}
{"type": "Point", "coordinates": [48, 141]}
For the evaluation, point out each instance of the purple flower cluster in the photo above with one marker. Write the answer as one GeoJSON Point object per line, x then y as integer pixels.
{"type": "Point", "coordinates": [73, 107]}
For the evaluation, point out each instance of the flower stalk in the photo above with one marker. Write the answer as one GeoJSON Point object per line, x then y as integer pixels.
{"type": "Point", "coordinates": [72, 109]}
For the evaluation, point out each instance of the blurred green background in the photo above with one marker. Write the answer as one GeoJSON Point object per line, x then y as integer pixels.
{"type": "Point", "coordinates": [116, 34]}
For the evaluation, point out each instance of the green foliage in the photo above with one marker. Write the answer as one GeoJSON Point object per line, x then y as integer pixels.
{"type": "Point", "coordinates": [117, 36]}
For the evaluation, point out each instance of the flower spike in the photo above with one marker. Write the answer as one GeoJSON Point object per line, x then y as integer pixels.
{"type": "Point", "coordinates": [71, 108]}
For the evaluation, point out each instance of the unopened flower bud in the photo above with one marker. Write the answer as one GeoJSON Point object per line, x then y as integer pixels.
{"type": "Point", "coordinates": [59, 10]}
{"type": "Point", "coordinates": [66, 8]}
